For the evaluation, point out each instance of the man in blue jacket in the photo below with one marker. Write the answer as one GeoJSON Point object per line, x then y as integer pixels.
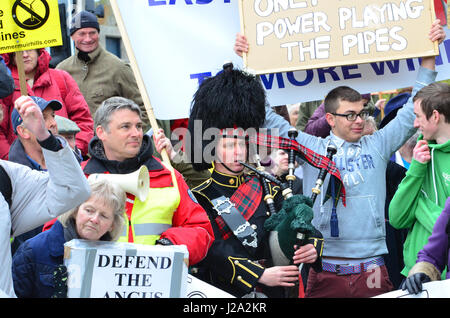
{"type": "Point", "coordinates": [355, 234]}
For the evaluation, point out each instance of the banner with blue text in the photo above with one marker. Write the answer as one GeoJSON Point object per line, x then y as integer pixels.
{"type": "Point", "coordinates": [178, 43]}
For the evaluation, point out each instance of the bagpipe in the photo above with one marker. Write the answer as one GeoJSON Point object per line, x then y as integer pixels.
{"type": "Point", "coordinates": [291, 225]}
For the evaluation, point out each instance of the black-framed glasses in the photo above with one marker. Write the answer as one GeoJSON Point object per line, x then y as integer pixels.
{"type": "Point", "coordinates": [364, 114]}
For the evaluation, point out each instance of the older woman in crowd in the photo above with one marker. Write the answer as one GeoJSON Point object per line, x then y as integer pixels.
{"type": "Point", "coordinates": [38, 261]}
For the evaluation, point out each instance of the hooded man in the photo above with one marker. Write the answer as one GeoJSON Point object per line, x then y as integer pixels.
{"type": "Point", "coordinates": [421, 195]}
{"type": "Point", "coordinates": [170, 215]}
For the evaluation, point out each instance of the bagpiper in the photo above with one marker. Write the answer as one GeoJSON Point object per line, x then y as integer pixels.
{"type": "Point", "coordinates": [226, 113]}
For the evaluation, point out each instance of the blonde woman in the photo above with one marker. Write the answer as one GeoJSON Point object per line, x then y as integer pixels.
{"type": "Point", "coordinates": [98, 218]}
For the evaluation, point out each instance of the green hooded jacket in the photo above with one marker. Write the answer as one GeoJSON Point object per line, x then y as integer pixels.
{"type": "Point", "coordinates": [420, 199]}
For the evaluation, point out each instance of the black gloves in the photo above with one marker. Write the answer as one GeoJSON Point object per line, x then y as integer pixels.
{"type": "Point", "coordinates": [414, 283]}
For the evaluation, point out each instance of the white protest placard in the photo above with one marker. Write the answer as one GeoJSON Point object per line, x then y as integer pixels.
{"type": "Point", "coordinates": [308, 34]}
{"type": "Point", "coordinates": [434, 289]}
{"type": "Point", "coordinates": [179, 43]}
{"type": "Point", "coordinates": [174, 43]}
{"type": "Point", "coordinates": [125, 270]}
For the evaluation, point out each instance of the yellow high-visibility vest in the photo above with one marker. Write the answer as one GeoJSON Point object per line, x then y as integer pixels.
{"type": "Point", "coordinates": [151, 218]}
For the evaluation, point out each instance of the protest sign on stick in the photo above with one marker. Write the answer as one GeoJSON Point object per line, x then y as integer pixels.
{"type": "Point", "coordinates": [292, 35]}
{"type": "Point", "coordinates": [21, 71]}
{"type": "Point", "coordinates": [137, 74]}
{"type": "Point", "coordinates": [26, 26]}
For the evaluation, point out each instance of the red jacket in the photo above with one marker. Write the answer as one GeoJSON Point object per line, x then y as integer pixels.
{"type": "Point", "coordinates": [190, 223]}
{"type": "Point", "coordinates": [48, 84]}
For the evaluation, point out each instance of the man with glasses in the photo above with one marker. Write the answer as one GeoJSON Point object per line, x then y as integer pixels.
{"type": "Point", "coordinates": [345, 113]}
{"type": "Point", "coordinates": [364, 114]}
{"type": "Point", "coordinates": [354, 231]}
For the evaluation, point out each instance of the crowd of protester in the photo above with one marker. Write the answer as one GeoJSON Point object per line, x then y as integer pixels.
{"type": "Point", "coordinates": [86, 117]}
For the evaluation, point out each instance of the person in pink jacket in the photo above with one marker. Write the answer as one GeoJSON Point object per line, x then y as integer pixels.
{"type": "Point", "coordinates": [42, 81]}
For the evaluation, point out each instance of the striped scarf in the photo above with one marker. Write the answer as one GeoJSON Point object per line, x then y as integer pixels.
{"type": "Point", "coordinates": [313, 158]}
{"type": "Point", "coordinates": [248, 195]}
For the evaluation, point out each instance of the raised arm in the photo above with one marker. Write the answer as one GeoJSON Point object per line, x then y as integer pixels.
{"type": "Point", "coordinates": [36, 196]}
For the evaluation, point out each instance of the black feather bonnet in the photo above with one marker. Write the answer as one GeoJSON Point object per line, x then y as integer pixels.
{"type": "Point", "coordinates": [231, 99]}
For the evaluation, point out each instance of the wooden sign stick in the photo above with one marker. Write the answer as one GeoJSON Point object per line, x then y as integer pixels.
{"type": "Point", "coordinates": [241, 10]}
{"type": "Point", "coordinates": [137, 74]}
{"type": "Point", "coordinates": [21, 71]}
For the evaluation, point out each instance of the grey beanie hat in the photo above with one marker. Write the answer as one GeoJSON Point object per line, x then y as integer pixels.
{"type": "Point", "coordinates": [84, 19]}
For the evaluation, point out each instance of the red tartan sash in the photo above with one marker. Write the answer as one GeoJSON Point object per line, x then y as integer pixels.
{"type": "Point", "coordinates": [440, 11]}
{"type": "Point", "coordinates": [307, 154]}
{"type": "Point", "coordinates": [246, 199]}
